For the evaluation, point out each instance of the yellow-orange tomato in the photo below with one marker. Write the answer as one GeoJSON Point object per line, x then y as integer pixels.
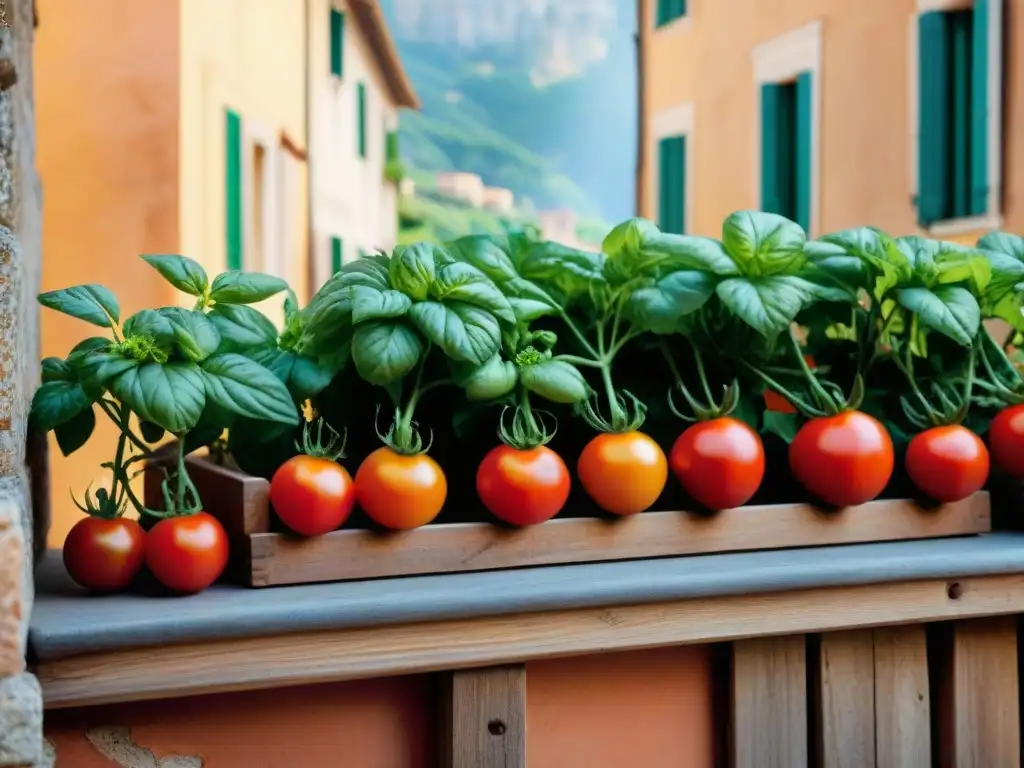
{"type": "Point", "coordinates": [400, 492]}
{"type": "Point", "coordinates": [624, 473]}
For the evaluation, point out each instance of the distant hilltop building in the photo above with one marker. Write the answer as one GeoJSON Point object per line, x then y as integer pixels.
{"type": "Point", "coordinates": [464, 186]}
{"type": "Point", "coordinates": [499, 199]}
{"type": "Point", "coordinates": [560, 226]}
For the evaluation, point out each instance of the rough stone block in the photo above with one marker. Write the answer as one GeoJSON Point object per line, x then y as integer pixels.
{"type": "Point", "coordinates": [21, 721]}
{"type": "Point", "coordinates": [16, 585]}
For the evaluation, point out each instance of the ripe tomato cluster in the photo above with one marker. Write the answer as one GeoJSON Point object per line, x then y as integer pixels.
{"type": "Point", "coordinates": [186, 554]}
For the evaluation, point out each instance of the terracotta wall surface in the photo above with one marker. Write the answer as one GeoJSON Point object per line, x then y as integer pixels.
{"type": "Point", "coordinates": [107, 128]}
{"type": "Point", "coordinates": [865, 133]}
{"type": "Point", "coordinates": [627, 710]}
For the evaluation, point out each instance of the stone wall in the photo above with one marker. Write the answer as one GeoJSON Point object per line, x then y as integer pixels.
{"type": "Point", "coordinates": [21, 709]}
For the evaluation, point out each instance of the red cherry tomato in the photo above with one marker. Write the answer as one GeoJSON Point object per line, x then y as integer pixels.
{"type": "Point", "coordinates": [312, 495]}
{"type": "Point", "coordinates": [187, 554]}
{"type": "Point", "coordinates": [400, 492]}
{"type": "Point", "coordinates": [948, 463]}
{"type": "Point", "coordinates": [104, 554]}
{"type": "Point", "coordinates": [523, 487]}
{"type": "Point", "coordinates": [720, 462]}
{"type": "Point", "coordinates": [844, 460]}
{"type": "Point", "coordinates": [1006, 438]}
{"type": "Point", "coordinates": [624, 473]}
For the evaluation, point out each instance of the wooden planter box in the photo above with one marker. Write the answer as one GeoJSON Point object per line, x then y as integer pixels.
{"type": "Point", "coordinates": [262, 558]}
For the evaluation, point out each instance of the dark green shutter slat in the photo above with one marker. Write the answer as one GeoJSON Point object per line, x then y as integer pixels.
{"type": "Point", "coordinates": [663, 13]}
{"type": "Point", "coordinates": [233, 188]}
{"type": "Point", "coordinates": [803, 142]}
{"type": "Point", "coordinates": [361, 117]}
{"type": "Point", "coordinates": [672, 184]}
{"type": "Point", "coordinates": [681, 186]}
{"type": "Point", "coordinates": [682, 7]}
{"type": "Point", "coordinates": [960, 116]}
{"type": "Point", "coordinates": [337, 41]}
{"type": "Point", "coordinates": [664, 163]}
{"type": "Point", "coordinates": [337, 254]}
{"type": "Point", "coordinates": [771, 103]}
{"type": "Point", "coordinates": [934, 183]}
{"type": "Point", "coordinates": [669, 10]}
{"type": "Point", "coordinates": [979, 110]}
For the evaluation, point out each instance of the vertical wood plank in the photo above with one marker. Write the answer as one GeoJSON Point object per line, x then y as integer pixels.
{"type": "Point", "coordinates": [981, 708]}
{"type": "Point", "coordinates": [845, 700]}
{"type": "Point", "coordinates": [769, 703]}
{"type": "Point", "coordinates": [485, 718]}
{"type": "Point", "coordinates": [902, 703]}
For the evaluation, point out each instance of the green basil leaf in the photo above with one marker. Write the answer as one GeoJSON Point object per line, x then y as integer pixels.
{"type": "Point", "coordinates": [243, 386]}
{"type": "Point", "coordinates": [463, 331]}
{"type": "Point", "coordinates": [948, 309]}
{"type": "Point", "coordinates": [150, 324]}
{"type": "Point", "coordinates": [528, 310]}
{"type": "Point", "coordinates": [303, 376]}
{"type": "Point", "coordinates": [183, 273]}
{"type": "Point", "coordinates": [87, 346]}
{"type": "Point", "coordinates": [372, 304]}
{"type": "Point", "coordinates": [570, 271]}
{"type": "Point", "coordinates": [767, 305]}
{"type": "Point", "coordinates": [629, 237]}
{"type": "Point", "coordinates": [494, 379]}
{"type": "Point", "coordinates": [692, 252]}
{"type": "Point", "coordinates": [57, 402]}
{"type": "Point", "coordinates": [57, 369]}
{"type": "Point", "coordinates": [74, 433]}
{"type": "Point", "coordinates": [92, 303]}
{"type": "Point", "coordinates": [659, 307]}
{"type": "Point", "coordinates": [1005, 243]}
{"type": "Point", "coordinates": [555, 380]}
{"type": "Point", "coordinates": [971, 268]}
{"type": "Point", "coordinates": [195, 334]}
{"type": "Point", "coordinates": [784, 425]}
{"type": "Point", "coordinates": [96, 369]}
{"type": "Point", "coordinates": [488, 254]}
{"type": "Point", "coordinates": [171, 395]}
{"type": "Point", "coordinates": [465, 283]}
{"type": "Point", "coordinates": [242, 327]}
{"type": "Point", "coordinates": [151, 433]}
{"type": "Point", "coordinates": [763, 243]}
{"type": "Point", "coordinates": [385, 351]}
{"type": "Point", "coordinates": [413, 269]}
{"type": "Point", "coordinates": [236, 287]}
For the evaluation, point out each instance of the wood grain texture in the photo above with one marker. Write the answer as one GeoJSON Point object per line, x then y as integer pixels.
{"type": "Point", "coordinates": [484, 718]}
{"type": "Point", "coordinates": [241, 502]}
{"type": "Point", "coordinates": [307, 657]}
{"type": "Point", "coordinates": [902, 702]}
{"type": "Point", "coordinates": [845, 700]}
{"type": "Point", "coordinates": [344, 555]}
{"type": "Point", "coordinates": [980, 699]}
{"type": "Point", "coordinates": [769, 703]}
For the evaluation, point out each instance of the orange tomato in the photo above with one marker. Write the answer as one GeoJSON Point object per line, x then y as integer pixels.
{"type": "Point", "coordinates": [624, 473]}
{"type": "Point", "coordinates": [400, 492]}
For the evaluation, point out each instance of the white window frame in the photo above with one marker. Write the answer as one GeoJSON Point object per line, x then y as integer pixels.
{"type": "Point", "coordinates": [257, 134]}
{"type": "Point", "coordinates": [666, 123]}
{"type": "Point", "coordinates": [781, 60]}
{"type": "Point", "coordinates": [993, 218]}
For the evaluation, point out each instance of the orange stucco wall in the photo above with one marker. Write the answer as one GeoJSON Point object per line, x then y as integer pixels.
{"type": "Point", "coordinates": [865, 134]}
{"type": "Point", "coordinates": [626, 710]}
{"type": "Point", "coordinates": [107, 128]}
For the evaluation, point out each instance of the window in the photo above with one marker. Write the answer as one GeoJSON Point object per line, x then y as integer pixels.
{"type": "Point", "coordinates": [672, 184]}
{"type": "Point", "coordinates": [957, 120]}
{"type": "Point", "coordinates": [786, 120]}
{"type": "Point", "coordinates": [361, 117]}
{"type": "Point", "coordinates": [337, 254]}
{"type": "Point", "coordinates": [233, 189]}
{"type": "Point", "coordinates": [670, 10]}
{"type": "Point", "coordinates": [337, 41]}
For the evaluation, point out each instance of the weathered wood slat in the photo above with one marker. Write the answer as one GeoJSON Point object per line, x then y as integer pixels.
{"type": "Point", "coordinates": [845, 700]}
{"type": "Point", "coordinates": [902, 703]}
{"type": "Point", "coordinates": [485, 718]}
{"type": "Point", "coordinates": [769, 703]}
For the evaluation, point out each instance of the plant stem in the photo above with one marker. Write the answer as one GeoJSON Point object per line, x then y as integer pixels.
{"type": "Point", "coordinates": [703, 377]}
{"type": "Point", "coordinates": [906, 367]}
{"type": "Point", "coordinates": [823, 397]}
{"type": "Point", "coordinates": [618, 414]}
{"type": "Point", "coordinates": [578, 334]}
{"type": "Point", "coordinates": [586, 362]}
{"type": "Point", "coordinates": [797, 402]}
{"type": "Point", "coordinates": [124, 426]}
{"type": "Point", "coordinates": [119, 458]}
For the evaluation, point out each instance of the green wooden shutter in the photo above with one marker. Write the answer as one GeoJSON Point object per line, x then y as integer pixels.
{"type": "Point", "coordinates": [771, 166]}
{"type": "Point", "coordinates": [233, 188]}
{"type": "Point", "coordinates": [934, 171]}
{"type": "Point", "coordinates": [680, 8]}
{"type": "Point", "coordinates": [337, 41]}
{"type": "Point", "coordinates": [337, 254]}
{"type": "Point", "coordinates": [669, 10]}
{"type": "Point", "coordinates": [804, 138]}
{"type": "Point", "coordinates": [361, 117]}
{"type": "Point", "coordinates": [979, 109]}
{"type": "Point", "coordinates": [672, 184]}
{"type": "Point", "coordinates": [960, 112]}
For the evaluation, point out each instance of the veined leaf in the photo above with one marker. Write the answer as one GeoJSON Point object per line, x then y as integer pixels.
{"type": "Point", "coordinates": [170, 395]}
{"type": "Point", "coordinates": [243, 386]}
{"type": "Point", "coordinates": [236, 287]}
{"type": "Point", "coordinates": [948, 309]}
{"type": "Point", "coordinates": [372, 304]}
{"type": "Point", "coordinates": [555, 380]}
{"type": "Point", "coordinates": [463, 331]}
{"type": "Point", "coordinates": [92, 303]}
{"type": "Point", "coordinates": [384, 351]}
{"type": "Point", "coordinates": [763, 243]}
{"type": "Point", "coordinates": [183, 273]}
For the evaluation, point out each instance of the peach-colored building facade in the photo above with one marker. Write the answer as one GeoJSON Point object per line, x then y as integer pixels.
{"type": "Point", "coordinates": [704, 67]}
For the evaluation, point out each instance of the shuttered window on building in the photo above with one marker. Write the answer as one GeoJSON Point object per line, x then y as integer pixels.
{"type": "Point", "coordinates": [669, 10]}
{"type": "Point", "coordinates": [953, 71]}
{"type": "Point", "coordinates": [672, 184]}
{"type": "Point", "coordinates": [786, 146]}
{"type": "Point", "coordinates": [337, 254]}
{"type": "Point", "coordinates": [361, 117]}
{"type": "Point", "coordinates": [233, 188]}
{"type": "Point", "coordinates": [337, 41]}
